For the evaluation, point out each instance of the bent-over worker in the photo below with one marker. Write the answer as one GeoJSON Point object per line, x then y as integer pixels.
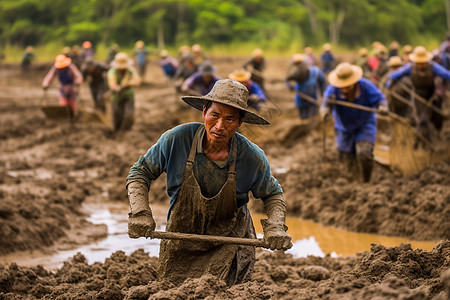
{"type": "Point", "coordinates": [210, 171]}
{"type": "Point", "coordinates": [355, 129]}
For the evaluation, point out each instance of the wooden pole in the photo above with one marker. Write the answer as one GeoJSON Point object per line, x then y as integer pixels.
{"type": "Point", "coordinates": [207, 238]}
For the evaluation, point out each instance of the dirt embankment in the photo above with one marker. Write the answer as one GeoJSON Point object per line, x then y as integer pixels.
{"type": "Point", "coordinates": [382, 273]}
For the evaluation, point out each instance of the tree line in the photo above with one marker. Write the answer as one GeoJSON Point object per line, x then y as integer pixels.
{"type": "Point", "coordinates": [271, 24]}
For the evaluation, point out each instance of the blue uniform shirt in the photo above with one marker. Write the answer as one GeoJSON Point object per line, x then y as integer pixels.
{"type": "Point", "coordinates": [353, 125]}
{"type": "Point", "coordinates": [315, 82]}
{"type": "Point", "coordinates": [406, 70]}
{"type": "Point", "coordinates": [170, 155]}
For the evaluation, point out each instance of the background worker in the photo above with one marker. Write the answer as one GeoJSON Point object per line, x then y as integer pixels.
{"type": "Point", "coordinates": [168, 64]}
{"type": "Point", "coordinates": [256, 64]}
{"type": "Point", "coordinates": [199, 56]}
{"type": "Point", "coordinates": [327, 59]}
{"type": "Point", "coordinates": [256, 95]}
{"type": "Point", "coordinates": [69, 78]}
{"type": "Point", "coordinates": [310, 81]}
{"type": "Point", "coordinates": [87, 52]}
{"type": "Point", "coordinates": [210, 171]}
{"type": "Point", "coordinates": [94, 73]}
{"type": "Point", "coordinates": [424, 73]}
{"type": "Point", "coordinates": [27, 58]}
{"type": "Point", "coordinates": [122, 77]}
{"type": "Point", "coordinates": [201, 82]}
{"type": "Point", "coordinates": [141, 57]}
{"type": "Point", "coordinates": [355, 129]}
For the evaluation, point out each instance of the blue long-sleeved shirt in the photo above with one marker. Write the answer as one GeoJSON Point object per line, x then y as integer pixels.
{"type": "Point", "coordinates": [170, 155]}
{"type": "Point", "coordinates": [406, 70]}
{"type": "Point", "coordinates": [316, 82]}
{"type": "Point", "coordinates": [196, 82]}
{"type": "Point", "coordinates": [350, 119]}
{"type": "Point", "coordinates": [255, 89]}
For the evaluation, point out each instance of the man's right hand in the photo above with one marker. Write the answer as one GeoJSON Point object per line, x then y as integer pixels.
{"type": "Point", "coordinates": [324, 112]}
{"type": "Point", "coordinates": [140, 224]}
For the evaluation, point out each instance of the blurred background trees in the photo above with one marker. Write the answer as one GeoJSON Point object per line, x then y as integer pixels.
{"type": "Point", "coordinates": [277, 24]}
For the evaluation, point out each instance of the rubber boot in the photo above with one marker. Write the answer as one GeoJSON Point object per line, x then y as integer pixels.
{"type": "Point", "coordinates": [365, 166]}
{"type": "Point", "coordinates": [350, 164]}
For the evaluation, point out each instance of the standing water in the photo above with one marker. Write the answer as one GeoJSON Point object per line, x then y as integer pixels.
{"type": "Point", "coordinates": [309, 238]}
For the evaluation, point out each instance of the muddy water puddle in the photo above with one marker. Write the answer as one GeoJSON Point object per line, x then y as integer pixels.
{"type": "Point", "coordinates": [309, 238]}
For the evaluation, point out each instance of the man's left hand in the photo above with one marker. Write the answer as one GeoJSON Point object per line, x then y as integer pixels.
{"type": "Point", "coordinates": [275, 236]}
{"type": "Point", "coordinates": [383, 110]}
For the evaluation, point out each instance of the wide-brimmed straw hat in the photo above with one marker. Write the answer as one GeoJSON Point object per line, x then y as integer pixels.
{"type": "Point", "coordinates": [62, 61]}
{"type": "Point", "coordinates": [139, 44]}
{"type": "Point", "coordinates": [257, 53]}
{"type": "Point", "coordinates": [229, 92]}
{"type": "Point", "coordinates": [121, 61]}
{"type": "Point", "coordinates": [395, 61]}
{"type": "Point", "coordinates": [240, 75]}
{"type": "Point", "coordinates": [345, 75]}
{"type": "Point", "coordinates": [420, 55]}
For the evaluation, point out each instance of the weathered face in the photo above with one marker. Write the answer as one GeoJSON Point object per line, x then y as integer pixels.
{"type": "Point", "coordinates": [347, 90]}
{"type": "Point", "coordinates": [221, 122]}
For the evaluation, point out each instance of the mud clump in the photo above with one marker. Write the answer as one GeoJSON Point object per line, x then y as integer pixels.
{"type": "Point", "coordinates": [383, 273]}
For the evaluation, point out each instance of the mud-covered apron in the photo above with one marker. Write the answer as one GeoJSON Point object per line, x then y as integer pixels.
{"type": "Point", "coordinates": [218, 215]}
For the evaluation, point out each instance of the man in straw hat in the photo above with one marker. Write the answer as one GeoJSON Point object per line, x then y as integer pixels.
{"type": "Point", "coordinates": [122, 77]}
{"type": "Point", "coordinates": [210, 171]}
{"type": "Point", "coordinates": [201, 82]}
{"type": "Point", "coordinates": [69, 78]}
{"type": "Point", "coordinates": [27, 58]}
{"type": "Point", "coordinates": [168, 64]}
{"type": "Point", "coordinates": [423, 73]}
{"type": "Point", "coordinates": [355, 129]}
{"type": "Point", "coordinates": [255, 93]}
{"type": "Point", "coordinates": [256, 64]}
{"type": "Point", "coordinates": [309, 81]}
{"type": "Point", "coordinates": [141, 54]}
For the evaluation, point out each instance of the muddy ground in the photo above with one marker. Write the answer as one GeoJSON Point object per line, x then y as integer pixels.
{"type": "Point", "coordinates": [48, 168]}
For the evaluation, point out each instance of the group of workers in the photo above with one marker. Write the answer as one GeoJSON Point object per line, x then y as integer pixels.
{"type": "Point", "coordinates": [211, 168]}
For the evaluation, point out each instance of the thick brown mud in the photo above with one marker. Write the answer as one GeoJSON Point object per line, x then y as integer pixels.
{"type": "Point", "coordinates": [49, 168]}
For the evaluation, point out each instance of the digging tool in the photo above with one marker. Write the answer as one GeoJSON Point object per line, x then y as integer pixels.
{"type": "Point", "coordinates": [390, 114]}
{"type": "Point", "coordinates": [424, 101]}
{"type": "Point", "coordinates": [53, 111]}
{"type": "Point", "coordinates": [207, 238]}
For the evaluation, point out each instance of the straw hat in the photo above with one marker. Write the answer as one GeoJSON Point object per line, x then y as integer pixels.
{"type": "Point", "coordinates": [407, 49]}
{"type": "Point", "coordinates": [62, 61]}
{"type": "Point", "coordinates": [229, 92]}
{"type": "Point", "coordinates": [164, 53]}
{"type": "Point", "coordinates": [86, 45]}
{"type": "Point", "coordinates": [240, 75]}
{"type": "Point", "coordinates": [29, 49]}
{"type": "Point", "coordinates": [66, 50]}
{"type": "Point", "coordinates": [308, 50]}
{"type": "Point", "coordinates": [326, 47]}
{"type": "Point", "coordinates": [184, 48]}
{"type": "Point", "coordinates": [298, 57]}
{"type": "Point", "coordinates": [257, 53]}
{"type": "Point", "coordinates": [363, 52]}
{"type": "Point", "coordinates": [121, 61]}
{"type": "Point", "coordinates": [196, 48]}
{"type": "Point", "coordinates": [207, 69]}
{"type": "Point", "coordinates": [139, 44]}
{"type": "Point", "coordinates": [345, 75]}
{"type": "Point", "coordinates": [395, 61]}
{"type": "Point", "coordinates": [420, 55]}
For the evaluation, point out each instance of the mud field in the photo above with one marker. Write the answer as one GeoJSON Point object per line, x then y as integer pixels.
{"type": "Point", "coordinates": [49, 168]}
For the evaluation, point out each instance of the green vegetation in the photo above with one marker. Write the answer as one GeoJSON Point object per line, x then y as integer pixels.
{"type": "Point", "coordinates": [278, 25]}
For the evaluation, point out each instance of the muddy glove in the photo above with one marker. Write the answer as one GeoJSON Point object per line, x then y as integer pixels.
{"type": "Point", "coordinates": [383, 110]}
{"type": "Point", "coordinates": [274, 227]}
{"type": "Point", "coordinates": [140, 218]}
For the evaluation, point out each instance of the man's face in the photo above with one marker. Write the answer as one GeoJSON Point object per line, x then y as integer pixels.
{"type": "Point", "coordinates": [347, 90]}
{"type": "Point", "coordinates": [421, 66]}
{"type": "Point", "coordinates": [221, 122]}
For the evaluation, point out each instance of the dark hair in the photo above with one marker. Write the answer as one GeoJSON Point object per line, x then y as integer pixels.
{"type": "Point", "coordinates": [241, 112]}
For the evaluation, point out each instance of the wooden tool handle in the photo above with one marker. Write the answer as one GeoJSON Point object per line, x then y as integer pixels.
{"type": "Point", "coordinates": [207, 238]}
